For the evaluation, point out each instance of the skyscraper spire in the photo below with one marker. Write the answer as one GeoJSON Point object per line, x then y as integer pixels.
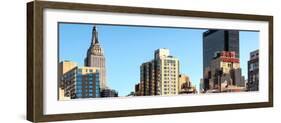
{"type": "Point", "coordinates": [95, 58]}
{"type": "Point", "coordinates": [95, 36]}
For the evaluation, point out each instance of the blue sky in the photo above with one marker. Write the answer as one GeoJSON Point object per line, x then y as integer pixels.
{"type": "Point", "coordinates": [127, 47]}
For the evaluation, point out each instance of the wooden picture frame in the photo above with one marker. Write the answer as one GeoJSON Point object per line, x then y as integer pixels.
{"type": "Point", "coordinates": [35, 70]}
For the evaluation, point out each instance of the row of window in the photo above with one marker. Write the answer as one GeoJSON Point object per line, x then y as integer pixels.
{"type": "Point", "coordinates": [79, 80]}
{"type": "Point", "coordinates": [169, 85]}
{"type": "Point", "coordinates": [170, 93]}
{"type": "Point", "coordinates": [85, 82]}
{"type": "Point", "coordinates": [173, 75]}
{"type": "Point", "coordinates": [69, 74]}
{"type": "Point", "coordinates": [85, 90]}
{"type": "Point", "coordinates": [80, 95]}
{"type": "Point", "coordinates": [169, 82]}
{"type": "Point", "coordinates": [171, 78]}
{"type": "Point", "coordinates": [167, 89]}
{"type": "Point", "coordinates": [87, 79]}
{"type": "Point", "coordinates": [80, 70]}
{"type": "Point", "coordinates": [80, 86]}
{"type": "Point", "coordinates": [170, 61]}
{"type": "Point", "coordinates": [87, 95]}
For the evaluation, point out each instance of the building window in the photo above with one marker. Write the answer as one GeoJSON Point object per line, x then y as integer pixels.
{"type": "Point", "coordinates": [79, 91]}
{"type": "Point", "coordinates": [79, 78]}
{"type": "Point", "coordinates": [80, 71]}
{"type": "Point", "coordinates": [79, 95]}
{"type": "Point", "coordinates": [79, 83]}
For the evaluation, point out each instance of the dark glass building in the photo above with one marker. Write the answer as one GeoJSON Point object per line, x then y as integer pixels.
{"type": "Point", "coordinates": [219, 40]}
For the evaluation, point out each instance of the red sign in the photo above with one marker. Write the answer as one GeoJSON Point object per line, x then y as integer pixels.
{"type": "Point", "coordinates": [227, 54]}
{"type": "Point", "coordinates": [234, 60]}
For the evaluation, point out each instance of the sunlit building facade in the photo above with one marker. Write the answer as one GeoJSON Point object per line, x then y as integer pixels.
{"type": "Point", "coordinates": [80, 82]}
{"type": "Point", "coordinates": [159, 76]}
{"type": "Point", "coordinates": [224, 74]}
{"type": "Point", "coordinates": [63, 68]}
{"type": "Point", "coordinates": [185, 86]}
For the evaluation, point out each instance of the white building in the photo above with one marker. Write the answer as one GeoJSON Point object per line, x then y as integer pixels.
{"type": "Point", "coordinates": [168, 67]}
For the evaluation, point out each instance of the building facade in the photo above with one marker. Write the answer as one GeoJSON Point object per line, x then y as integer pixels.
{"type": "Point", "coordinates": [168, 72]}
{"type": "Point", "coordinates": [95, 58]}
{"type": "Point", "coordinates": [81, 82]}
{"type": "Point", "coordinates": [159, 76]}
{"type": "Point", "coordinates": [223, 74]}
{"type": "Point", "coordinates": [253, 71]}
{"type": "Point", "coordinates": [219, 40]}
{"type": "Point", "coordinates": [148, 78]}
{"type": "Point", "coordinates": [63, 68]}
{"type": "Point", "coordinates": [109, 93]}
{"type": "Point", "coordinates": [185, 86]}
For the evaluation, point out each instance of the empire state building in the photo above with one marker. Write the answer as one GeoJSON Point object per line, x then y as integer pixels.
{"type": "Point", "coordinates": [95, 58]}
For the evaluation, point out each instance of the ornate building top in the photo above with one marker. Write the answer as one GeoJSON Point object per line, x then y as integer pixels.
{"type": "Point", "coordinates": [95, 48]}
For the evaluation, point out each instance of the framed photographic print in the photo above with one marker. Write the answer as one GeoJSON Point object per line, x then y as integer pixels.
{"type": "Point", "coordinates": [89, 61]}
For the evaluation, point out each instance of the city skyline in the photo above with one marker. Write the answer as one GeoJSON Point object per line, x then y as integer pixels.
{"type": "Point", "coordinates": [186, 44]}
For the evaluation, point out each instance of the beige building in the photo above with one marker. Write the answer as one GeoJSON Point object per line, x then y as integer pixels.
{"type": "Point", "coordinates": [185, 85]}
{"type": "Point", "coordinates": [62, 96]}
{"type": "Point", "coordinates": [78, 82]}
{"type": "Point", "coordinates": [183, 79]}
{"type": "Point", "coordinates": [225, 61]}
{"type": "Point", "coordinates": [160, 75]}
{"type": "Point", "coordinates": [223, 74]}
{"type": "Point", "coordinates": [168, 67]}
{"type": "Point", "coordinates": [63, 68]}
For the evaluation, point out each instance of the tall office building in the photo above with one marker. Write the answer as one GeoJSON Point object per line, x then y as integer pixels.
{"type": "Point", "coordinates": [219, 40]}
{"type": "Point", "coordinates": [80, 82]}
{"type": "Point", "coordinates": [95, 58]}
{"type": "Point", "coordinates": [148, 78]}
{"type": "Point", "coordinates": [167, 68]}
{"type": "Point", "coordinates": [253, 71]}
{"type": "Point", "coordinates": [159, 76]}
